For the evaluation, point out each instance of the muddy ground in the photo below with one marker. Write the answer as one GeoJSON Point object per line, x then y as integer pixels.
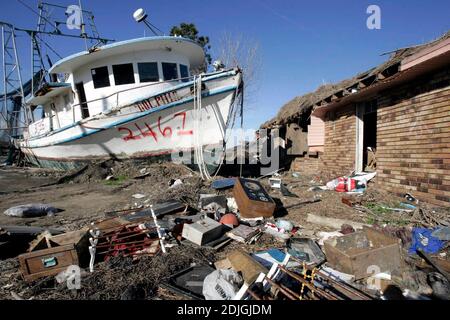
{"type": "Point", "coordinates": [89, 194]}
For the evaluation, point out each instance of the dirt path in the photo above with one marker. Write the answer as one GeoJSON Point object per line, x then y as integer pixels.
{"type": "Point", "coordinates": [79, 201]}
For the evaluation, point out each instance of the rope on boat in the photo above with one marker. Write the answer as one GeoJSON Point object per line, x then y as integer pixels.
{"type": "Point", "coordinates": [198, 146]}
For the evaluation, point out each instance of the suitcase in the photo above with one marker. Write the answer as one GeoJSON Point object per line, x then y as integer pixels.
{"type": "Point", "coordinates": [252, 199]}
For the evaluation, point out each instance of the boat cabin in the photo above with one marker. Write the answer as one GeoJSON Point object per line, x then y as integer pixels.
{"type": "Point", "coordinates": [110, 77]}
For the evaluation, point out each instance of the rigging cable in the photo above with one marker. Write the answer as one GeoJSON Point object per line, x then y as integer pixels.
{"type": "Point", "coordinates": [198, 147]}
{"type": "Point", "coordinates": [36, 13]}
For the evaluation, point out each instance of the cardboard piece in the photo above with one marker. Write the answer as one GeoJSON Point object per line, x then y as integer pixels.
{"type": "Point", "coordinates": [359, 253]}
{"type": "Point", "coordinates": [244, 263]}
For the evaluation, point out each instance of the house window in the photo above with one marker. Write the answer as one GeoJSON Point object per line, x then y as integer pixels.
{"type": "Point", "coordinates": [123, 73]}
{"type": "Point", "coordinates": [169, 71]}
{"type": "Point", "coordinates": [100, 77]}
{"type": "Point", "coordinates": [148, 72]}
{"type": "Point", "coordinates": [184, 73]}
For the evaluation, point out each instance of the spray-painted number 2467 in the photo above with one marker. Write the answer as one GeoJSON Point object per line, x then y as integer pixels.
{"type": "Point", "coordinates": [147, 131]}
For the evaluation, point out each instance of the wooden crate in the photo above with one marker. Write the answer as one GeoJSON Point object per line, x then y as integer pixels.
{"type": "Point", "coordinates": [252, 200]}
{"type": "Point", "coordinates": [47, 262]}
{"type": "Point", "coordinates": [359, 253]}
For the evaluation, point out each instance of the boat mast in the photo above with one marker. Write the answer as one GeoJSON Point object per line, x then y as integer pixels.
{"type": "Point", "coordinates": [12, 80]}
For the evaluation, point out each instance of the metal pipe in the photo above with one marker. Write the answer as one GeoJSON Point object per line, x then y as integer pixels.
{"type": "Point", "coordinates": [13, 36]}
{"type": "Point", "coordinates": [124, 243]}
{"type": "Point", "coordinates": [5, 89]}
{"type": "Point", "coordinates": [253, 294]}
{"type": "Point", "coordinates": [308, 284]}
{"type": "Point", "coordinates": [127, 234]}
{"type": "Point", "coordinates": [281, 288]}
{"type": "Point", "coordinates": [343, 286]}
{"type": "Point", "coordinates": [347, 289]}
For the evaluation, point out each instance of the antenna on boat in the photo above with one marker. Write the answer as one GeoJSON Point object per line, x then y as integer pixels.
{"type": "Point", "coordinates": [49, 25]}
{"type": "Point", "coordinates": [141, 16]}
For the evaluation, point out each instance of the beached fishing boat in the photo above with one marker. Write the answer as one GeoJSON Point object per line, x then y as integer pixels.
{"type": "Point", "coordinates": [129, 99]}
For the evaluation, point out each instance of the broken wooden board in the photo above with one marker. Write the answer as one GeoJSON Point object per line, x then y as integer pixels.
{"type": "Point", "coordinates": [47, 262]}
{"type": "Point", "coordinates": [333, 222]}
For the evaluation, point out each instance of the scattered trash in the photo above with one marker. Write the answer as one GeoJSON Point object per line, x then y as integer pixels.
{"type": "Point", "coordinates": [213, 203]}
{"type": "Point", "coordinates": [203, 231]}
{"type": "Point", "coordinates": [32, 210]}
{"type": "Point", "coordinates": [356, 183]}
{"type": "Point", "coordinates": [356, 252]}
{"type": "Point", "coordinates": [229, 220]}
{"type": "Point", "coordinates": [442, 233]}
{"type": "Point", "coordinates": [305, 250]}
{"type": "Point", "coordinates": [140, 246]}
{"type": "Point", "coordinates": [268, 257]}
{"type": "Point", "coordinates": [252, 200]}
{"type": "Point", "coordinates": [440, 285]}
{"type": "Point", "coordinates": [223, 264]}
{"type": "Point", "coordinates": [324, 236]}
{"type": "Point", "coordinates": [245, 234]}
{"type": "Point", "coordinates": [222, 184]}
{"type": "Point", "coordinates": [175, 183]}
{"type": "Point", "coordinates": [333, 222]}
{"type": "Point", "coordinates": [379, 282]}
{"type": "Point", "coordinates": [285, 192]}
{"type": "Point", "coordinates": [423, 239]}
{"type": "Point", "coordinates": [232, 205]}
{"type": "Point", "coordinates": [47, 262]}
{"type": "Point", "coordinates": [411, 198]}
{"type": "Point", "coordinates": [189, 282]}
{"type": "Point", "coordinates": [272, 229]}
{"type": "Point", "coordinates": [337, 275]}
{"type": "Point", "coordinates": [407, 206]}
{"type": "Point", "coordinates": [160, 209]}
{"type": "Point", "coordinates": [244, 263]}
{"type": "Point", "coordinates": [275, 183]}
{"type": "Point", "coordinates": [221, 285]}
{"type": "Point", "coordinates": [285, 225]}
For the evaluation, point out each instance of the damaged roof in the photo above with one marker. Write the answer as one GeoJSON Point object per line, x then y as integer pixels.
{"type": "Point", "coordinates": [328, 93]}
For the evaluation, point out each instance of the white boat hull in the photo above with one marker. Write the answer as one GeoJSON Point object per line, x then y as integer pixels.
{"type": "Point", "coordinates": [160, 125]}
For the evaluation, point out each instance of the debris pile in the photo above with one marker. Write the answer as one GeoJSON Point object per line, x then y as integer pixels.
{"type": "Point", "coordinates": [236, 238]}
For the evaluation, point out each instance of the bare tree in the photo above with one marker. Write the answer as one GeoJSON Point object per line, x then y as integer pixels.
{"type": "Point", "coordinates": [235, 50]}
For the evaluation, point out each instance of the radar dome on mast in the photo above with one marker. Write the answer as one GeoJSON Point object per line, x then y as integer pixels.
{"type": "Point", "coordinates": [140, 15]}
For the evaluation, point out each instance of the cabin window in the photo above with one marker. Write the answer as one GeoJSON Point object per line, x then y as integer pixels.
{"type": "Point", "coordinates": [148, 72]}
{"type": "Point", "coordinates": [184, 73]}
{"type": "Point", "coordinates": [123, 73]}
{"type": "Point", "coordinates": [169, 71]}
{"type": "Point", "coordinates": [100, 77]}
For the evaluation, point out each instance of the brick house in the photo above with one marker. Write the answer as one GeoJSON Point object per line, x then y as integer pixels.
{"type": "Point", "coordinates": [400, 109]}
